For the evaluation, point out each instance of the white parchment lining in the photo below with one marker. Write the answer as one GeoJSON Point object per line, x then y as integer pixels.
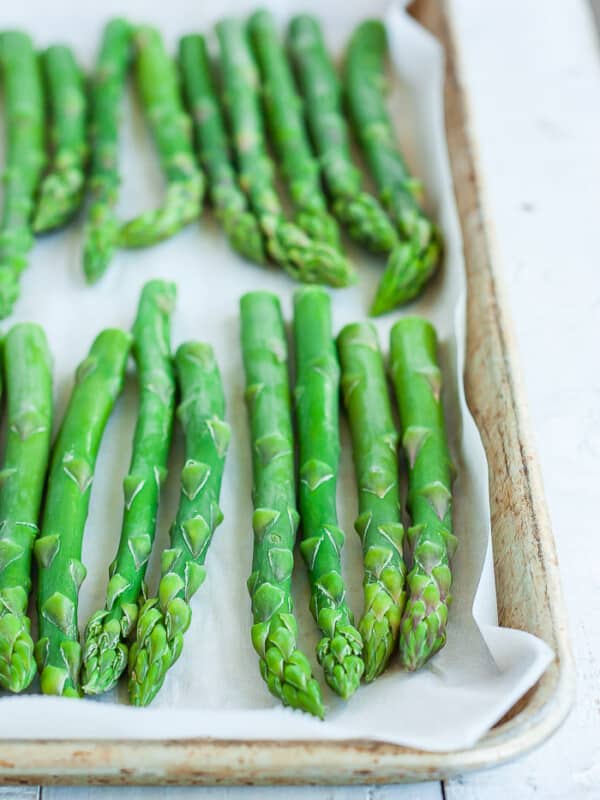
{"type": "Point", "coordinates": [215, 689]}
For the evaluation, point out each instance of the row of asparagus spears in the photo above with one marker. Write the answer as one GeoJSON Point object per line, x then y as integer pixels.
{"type": "Point", "coordinates": [143, 633]}
{"type": "Point", "coordinates": [216, 136]}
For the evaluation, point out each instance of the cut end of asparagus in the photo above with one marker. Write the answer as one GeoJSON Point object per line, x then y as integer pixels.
{"type": "Point", "coordinates": [366, 221]}
{"type": "Point", "coordinates": [285, 669]}
{"type": "Point", "coordinates": [60, 197]}
{"type": "Point", "coordinates": [306, 260]}
{"type": "Point", "coordinates": [104, 654]}
{"type": "Point", "coordinates": [244, 234]}
{"type": "Point", "coordinates": [182, 205]}
{"type": "Point", "coordinates": [320, 226]}
{"type": "Point", "coordinates": [341, 658]}
{"type": "Point", "coordinates": [17, 663]}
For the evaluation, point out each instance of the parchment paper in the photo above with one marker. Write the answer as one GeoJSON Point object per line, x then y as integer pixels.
{"type": "Point", "coordinates": [215, 689]}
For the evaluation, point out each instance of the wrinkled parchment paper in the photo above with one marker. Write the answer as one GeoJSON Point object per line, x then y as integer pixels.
{"type": "Point", "coordinates": [215, 689]}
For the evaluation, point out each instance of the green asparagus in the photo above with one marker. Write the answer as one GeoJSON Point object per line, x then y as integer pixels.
{"type": "Point", "coordinates": [357, 210]}
{"type": "Point", "coordinates": [230, 203]}
{"type": "Point", "coordinates": [165, 618]}
{"type": "Point", "coordinates": [105, 650]}
{"type": "Point", "coordinates": [284, 668]}
{"type": "Point", "coordinates": [102, 225]}
{"type": "Point", "coordinates": [61, 190]}
{"type": "Point", "coordinates": [287, 244]}
{"type": "Point", "coordinates": [157, 82]}
{"type": "Point", "coordinates": [317, 400]}
{"type": "Point", "coordinates": [99, 379]}
{"type": "Point", "coordinates": [417, 380]}
{"type": "Point", "coordinates": [25, 159]}
{"type": "Point", "coordinates": [286, 124]}
{"type": "Point", "coordinates": [417, 260]}
{"type": "Point", "coordinates": [374, 443]}
{"type": "Point", "coordinates": [27, 366]}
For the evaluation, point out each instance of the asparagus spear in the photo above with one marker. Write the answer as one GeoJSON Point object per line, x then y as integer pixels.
{"type": "Point", "coordinates": [25, 159]}
{"type": "Point", "coordinates": [230, 203]}
{"type": "Point", "coordinates": [404, 278]}
{"type": "Point", "coordinates": [287, 244]}
{"type": "Point", "coordinates": [158, 85]}
{"type": "Point", "coordinates": [165, 618]}
{"type": "Point", "coordinates": [99, 379]}
{"type": "Point", "coordinates": [102, 226]}
{"type": "Point", "coordinates": [27, 366]}
{"type": "Point", "coordinates": [62, 188]}
{"type": "Point", "coordinates": [357, 210]}
{"type": "Point", "coordinates": [284, 668]}
{"type": "Point", "coordinates": [317, 399]}
{"type": "Point", "coordinates": [105, 650]}
{"type": "Point", "coordinates": [374, 442]}
{"type": "Point", "coordinates": [286, 124]}
{"type": "Point", "coordinates": [417, 380]}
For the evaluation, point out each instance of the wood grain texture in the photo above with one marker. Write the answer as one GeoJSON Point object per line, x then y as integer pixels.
{"type": "Point", "coordinates": [524, 557]}
{"type": "Point", "coordinates": [425, 791]}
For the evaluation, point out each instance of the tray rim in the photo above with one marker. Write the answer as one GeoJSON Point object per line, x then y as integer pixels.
{"type": "Point", "coordinates": [171, 761]}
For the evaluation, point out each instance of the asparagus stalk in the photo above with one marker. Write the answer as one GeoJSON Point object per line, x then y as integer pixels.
{"type": "Point", "coordinates": [105, 650]}
{"type": "Point", "coordinates": [25, 159]}
{"type": "Point", "coordinates": [417, 380]}
{"type": "Point", "coordinates": [374, 442]}
{"type": "Point", "coordinates": [287, 244]}
{"type": "Point", "coordinates": [102, 225]}
{"type": "Point", "coordinates": [286, 126]}
{"type": "Point", "coordinates": [357, 210]}
{"type": "Point", "coordinates": [230, 203]}
{"type": "Point", "coordinates": [61, 190]}
{"type": "Point", "coordinates": [158, 85]}
{"type": "Point", "coordinates": [99, 379]}
{"type": "Point", "coordinates": [404, 277]}
{"type": "Point", "coordinates": [27, 366]}
{"type": "Point", "coordinates": [284, 668]}
{"type": "Point", "coordinates": [317, 399]}
{"type": "Point", "coordinates": [165, 618]}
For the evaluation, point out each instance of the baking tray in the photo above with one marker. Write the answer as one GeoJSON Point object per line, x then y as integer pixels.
{"type": "Point", "coordinates": [529, 594]}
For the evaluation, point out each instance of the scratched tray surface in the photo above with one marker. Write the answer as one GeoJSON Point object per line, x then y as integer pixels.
{"type": "Point", "coordinates": [226, 686]}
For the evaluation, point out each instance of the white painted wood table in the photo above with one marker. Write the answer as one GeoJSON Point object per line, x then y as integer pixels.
{"type": "Point", "coordinates": [533, 73]}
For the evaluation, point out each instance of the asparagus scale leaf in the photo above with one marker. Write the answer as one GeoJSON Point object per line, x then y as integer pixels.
{"type": "Point", "coordinates": [28, 374]}
{"type": "Point", "coordinates": [317, 400]}
{"type": "Point", "coordinates": [358, 211]}
{"type": "Point", "coordinates": [416, 259]}
{"type": "Point", "coordinates": [288, 133]}
{"type": "Point", "coordinates": [287, 244]}
{"type": "Point", "coordinates": [417, 380]}
{"type": "Point", "coordinates": [171, 128]}
{"type": "Point", "coordinates": [61, 189]}
{"type": "Point", "coordinates": [108, 83]}
{"type": "Point", "coordinates": [105, 651]}
{"type": "Point", "coordinates": [164, 619]}
{"type": "Point", "coordinates": [25, 158]}
{"type": "Point", "coordinates": [230, 203]}
{"type": "Point", "coordinates": [98, 383]}
{"type": "Point", "coordinates": [374, 446]}
{"type": "Point", "coordinates": [284, 668]}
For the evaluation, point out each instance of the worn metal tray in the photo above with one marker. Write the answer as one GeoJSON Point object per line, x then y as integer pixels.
{"type": "Point", "coordinates": [528, 585]}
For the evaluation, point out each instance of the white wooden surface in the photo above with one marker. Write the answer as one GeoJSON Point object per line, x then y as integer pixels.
{"type": "Point", "coordinates": [533, 72]}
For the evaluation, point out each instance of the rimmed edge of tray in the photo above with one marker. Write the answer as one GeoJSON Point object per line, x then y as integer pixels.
{"type": "Point", "coordinates": [526, 568]}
